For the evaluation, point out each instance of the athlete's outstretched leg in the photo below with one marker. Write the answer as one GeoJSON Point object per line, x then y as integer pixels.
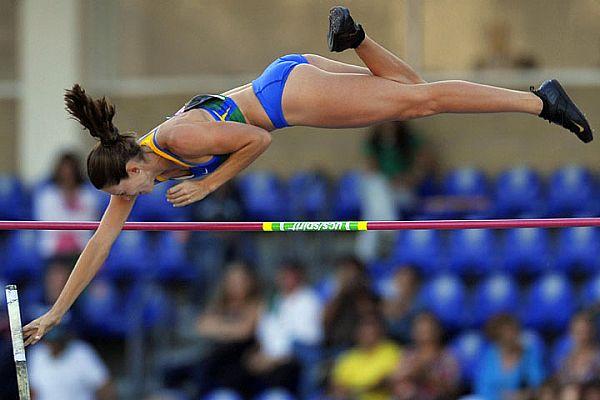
{"type": "Point", "coordinates": [344, 33]}
{"type": "Point", "coordinates": [314, 97]}
{"type": "Point", "coordinates": [552, 101]}
{"type": "Point", "coordinates": [318, 98]}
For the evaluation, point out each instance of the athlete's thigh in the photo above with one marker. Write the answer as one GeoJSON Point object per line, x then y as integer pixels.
{"type": "Point", "coordinates": [329, 65]}
{"type": "Point", "coordinates": [313, 97]}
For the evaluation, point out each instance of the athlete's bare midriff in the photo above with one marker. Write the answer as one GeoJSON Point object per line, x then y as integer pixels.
{"type": "Point", "coordinates": [244, 97]}
{"type": "Point", "coordinates": [250, 106]}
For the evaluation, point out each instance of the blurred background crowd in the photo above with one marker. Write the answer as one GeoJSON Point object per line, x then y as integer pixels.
{"type": "Point", "coordinates": [429, 315]}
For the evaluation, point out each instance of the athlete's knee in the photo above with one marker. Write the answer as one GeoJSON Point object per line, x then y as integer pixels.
{"type": "Point", "coordinates": [421, 102]}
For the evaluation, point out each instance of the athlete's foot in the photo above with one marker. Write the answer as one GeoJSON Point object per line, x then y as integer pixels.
{"type": "Point", "coordinates": [561, 110]}
{"type": "Point", "coordinates": [343, 33]}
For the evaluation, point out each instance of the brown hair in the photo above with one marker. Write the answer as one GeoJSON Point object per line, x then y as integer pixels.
{"type": "Point", "coordinates": [74, 163]}
{"type": "Point", "coordinates": [107, 160]}
{"type": "Point", "coordinates": [221, 301]}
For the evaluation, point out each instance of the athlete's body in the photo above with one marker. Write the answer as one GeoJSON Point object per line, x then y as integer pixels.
{"type": "Point", "coordinates": [216, 138]}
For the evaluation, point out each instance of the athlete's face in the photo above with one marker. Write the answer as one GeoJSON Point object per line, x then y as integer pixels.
{"type": "Point", "coordinates": [140, 181]}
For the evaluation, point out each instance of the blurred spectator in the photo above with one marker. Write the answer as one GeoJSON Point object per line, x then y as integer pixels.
{"type": "Point", "coordinates": [65, 198]}
{"type": "Point", "coordinates": [354, 298]}
{"type": "Point", "coordinates": [501, 53]}
{"type": "Point", "coordinates": [427, 371]}
{"type": "Point", "coordinates": [508, 368]}
{"type": "Point", "coordinates": [363, 371]}
{"type": "Point", "coordinates": [230, 322]}
{"type": "Point", "coordinates": [591, 390]}
{"type": "Point", "coordinates": [550, 390]}
{"type": "Point", "coordinates": [403, 305]}
{"type": "Point", "coordinates": [398, 162]}
{"type": "Point", "coordinates": [293, 318]}
{"type": "Point", "coordinates": [582, 365]}
{"type": "Point", "coordinates": [347, 269]}
{"type": "Point", "coordinates": [61, 367]}
{"type": "Point", "coordinates": [55, 278]}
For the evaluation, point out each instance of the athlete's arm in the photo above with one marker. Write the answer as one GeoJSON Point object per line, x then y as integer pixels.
{"type": "Point", "coordinates": [243, 142]}
{"type": "Point", "coordinates": [88, 264]}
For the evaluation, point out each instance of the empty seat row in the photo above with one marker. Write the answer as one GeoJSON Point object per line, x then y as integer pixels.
{"type": "Point", "coordinates": [135, 254]}
{"type": "Point", "coordinates": [520, 192]}
{"type": "Point", "coordinates": [546, 305]}
{"type": "Point", "coordinates": [477, 252]}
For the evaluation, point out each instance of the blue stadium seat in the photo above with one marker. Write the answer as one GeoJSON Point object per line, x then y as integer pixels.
{"type": "Point", "coordinates": [347, 198]}
{"type": "Point", "coordinates": [549, 305]}
{"type": "Point", "coordinates": [466, 182]}
{"type": "Point", "coordinates": [572, 192]}
{"type": "Point", "coordinates": [380, 269]}
{"type": "Point", "coordinates": [32, 293]}
{"type": "Point", "coordinates": [526, 251]}
{"type": "Point", "coordinates": [263, 196]}
{"type": "Point", "coordinates": [149, 302]}
{"type": "Point", "coordinates": [326, 288]}
{"type": "Point", "coordinates": [421, 248]}
{"type": "Point", "coordinates": [14, 201]}
{"type": "Point", "coordinates": [472, 252]}
{"type": "Point", "coordinates": [560, 351]}
{"type": "Point", "coordinates": [445, 296]}
{"type": "Point", "coordinates": [102, 310]}
{"type": "Point", "coordinates": [22, 259]}
{"type": "Point", "coordinates": [578, 250]}
{"type": "Point", "coordinates": [530, 339]}
{"type": "Point", "coordinates": [590, 293]}
{"type": "Point", "coordinates": [172, 261]}
{"type": "Point", "coordinates": [155, 207]}
{"type": "Point", "coordinates": [496, 294]}
{"type": "Point", "coordinates": [222, 394]}
{"type": "Point", "coordinates": [275, 394]}
{"type": "Point", "coordinates": [124, 261]}
{"type": "Point", "coordinates": [519, 193]}
{"type": "Point", "coordinates": [468, 348]}
{"type": "Point", "coordinates": [308, 194]}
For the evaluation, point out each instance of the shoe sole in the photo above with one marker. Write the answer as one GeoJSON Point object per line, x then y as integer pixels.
{"type": "Point", "coordinates": [336, 16]}
{"type": "Point", "coordinates": [586, 136]}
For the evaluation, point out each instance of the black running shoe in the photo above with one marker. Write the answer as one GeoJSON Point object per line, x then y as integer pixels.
{"type": "Point", "coordinates": [561, 110]}
{"type": "Point", "coordinates": [343, 33]}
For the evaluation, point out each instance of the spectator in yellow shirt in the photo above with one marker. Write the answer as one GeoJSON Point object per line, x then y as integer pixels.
{"type": "Point", "coordinates": [362, 372]}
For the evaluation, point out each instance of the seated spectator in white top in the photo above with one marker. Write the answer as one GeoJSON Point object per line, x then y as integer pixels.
{"type": "Point", "coordinates": [293, 318]}
{"type": "Point", "coordinates": [61, 367]}
{"type": "Point", "coordinates": [65, 198]}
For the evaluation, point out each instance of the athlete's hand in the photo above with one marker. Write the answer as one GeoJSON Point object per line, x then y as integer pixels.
{"type": "Point", "coordinates": [36, 329]}
{"type": "Point", "coordinates": [187, 192]}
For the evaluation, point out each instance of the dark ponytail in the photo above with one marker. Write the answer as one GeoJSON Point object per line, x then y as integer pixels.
{"type": "Point", "coordinates": [107, 160]}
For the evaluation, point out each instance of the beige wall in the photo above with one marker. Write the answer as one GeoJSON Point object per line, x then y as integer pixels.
{"type": "Point", "coordinates": [455, 34]}
{"type": "Point", "coordinates": [8, 135]}
{"type": "Point", "coordinates": [8, 30]}
{"type": "Point", "coordinates": [190, 36]}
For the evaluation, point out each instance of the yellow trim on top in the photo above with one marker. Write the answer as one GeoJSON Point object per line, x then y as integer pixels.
{"type": "Point", "coordinates": [222, 117]}
{"type": "Point", "coordinates": [148, 140]}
